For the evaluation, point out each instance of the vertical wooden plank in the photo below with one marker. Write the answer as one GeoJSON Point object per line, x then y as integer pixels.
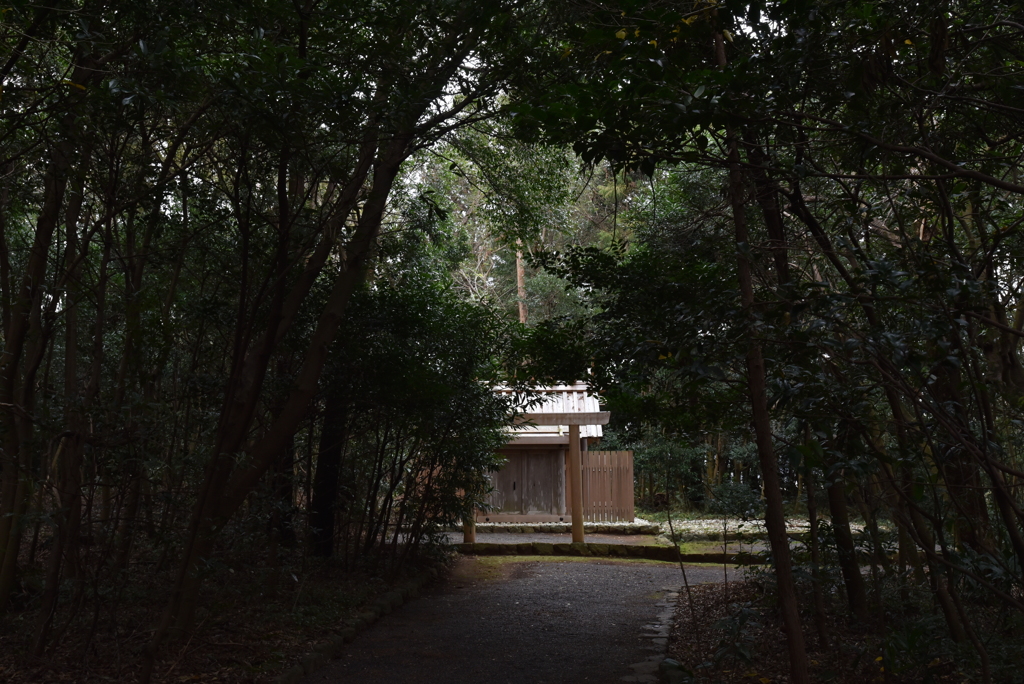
{"type": "Point", "coordinates": [615, 474]}
{"type": "Point", "coordinates": [588, 483]}
{"type": "Point", "coordinates": [597, 494]}
{"type": "Point", "coordinates": [560, 466]}
{"type": "Point", "coordinates": [628, 479]}
{"type": "Point", "coordinates": [620, 493]}
{"type": "Point", "coordinates": [608, 483]}
{"type": "Point", "coordinates": [611, 475]}
{"type": "Point", "coordinates": [595, 511]}
{"type": "Point", "coordinates": [602, 476]}
{"type": "Point", "coordinates": [588, 486]}
{"type": "Point", "coordinates": [626, 498]}
{"type": "Point", "coordinates": [627, 486]}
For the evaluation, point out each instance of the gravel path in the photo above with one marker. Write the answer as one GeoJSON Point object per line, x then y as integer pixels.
{"type": "Point", "coordinates": [496, 621]}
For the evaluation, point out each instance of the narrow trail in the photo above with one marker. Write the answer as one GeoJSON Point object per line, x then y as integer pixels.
{"type": "Point", "coordinates": [546, 621]}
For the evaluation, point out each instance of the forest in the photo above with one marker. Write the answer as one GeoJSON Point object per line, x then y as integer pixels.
{"type": "Point", "coordinates": [262, 264]}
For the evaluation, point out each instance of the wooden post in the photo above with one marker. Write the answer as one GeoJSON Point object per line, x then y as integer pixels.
{"type": "Point", "coordinates": [468, 531]}
{"type": "Point", "coordinates": [576, 483]}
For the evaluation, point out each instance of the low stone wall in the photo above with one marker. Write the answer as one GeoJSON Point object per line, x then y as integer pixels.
{"type": "Point", "coordinates": [666, 554]}
{"type": "Point", "coordinates": [588, 527]}
{"type": "Point", "coordinates": [686, 530]}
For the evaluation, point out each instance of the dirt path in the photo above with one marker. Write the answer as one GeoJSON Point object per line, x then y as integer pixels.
{"type": "Point", "coordinates": [505, 621]}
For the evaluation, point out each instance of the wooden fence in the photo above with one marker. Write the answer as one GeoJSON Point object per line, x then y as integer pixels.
{"type": "Point", "coordinates": [607, 486]}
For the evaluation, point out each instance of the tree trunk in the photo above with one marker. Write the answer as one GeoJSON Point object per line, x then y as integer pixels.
{"type": "Point", "coordinates": [819, 599]}
{"type": "Point", "coordinates": [775, 516]}
{"type": "Point", "coordinates": [67, 519]}
{"type": "Point", "coordinates": [936, 577]}
{"type": "Point", "coordinates": [325, 483]}
{"type": "Point", "coordinates": [125, 536]}
{"type": "Point", "coordinates": [283, 497]}
{"type": "Point", "coordinates": [15, 422]}
{"type": "Point", "coordinates": [521, 283]}
{"type": "Point", "coordinates": [856, 594]}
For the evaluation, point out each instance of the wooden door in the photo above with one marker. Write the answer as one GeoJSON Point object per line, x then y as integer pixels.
{"type": "Point", "coordinates": [532, 482]}
{"type": "Point", "coordinates": [541, 480]}
{"type": "Point", "coordinates": [507, 493]}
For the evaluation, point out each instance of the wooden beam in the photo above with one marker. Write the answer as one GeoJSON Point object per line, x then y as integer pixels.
{"type": "Point", "coordinates": [576, 483]}
{"type": "Point", "coordinates": [592, 418]}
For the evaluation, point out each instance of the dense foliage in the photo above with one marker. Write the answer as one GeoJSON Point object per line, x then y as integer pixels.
{"type": "Point", "coordinates": [191, 197]}
{"type": "Point", "coordinates": [828, 261]}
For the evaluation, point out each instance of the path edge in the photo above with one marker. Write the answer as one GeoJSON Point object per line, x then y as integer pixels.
{"type": "Point", "coordinates": [326, 651]}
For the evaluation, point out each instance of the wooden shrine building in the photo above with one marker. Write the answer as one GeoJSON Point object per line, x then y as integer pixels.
{"type": "Point", "coordinates": [551, 475]}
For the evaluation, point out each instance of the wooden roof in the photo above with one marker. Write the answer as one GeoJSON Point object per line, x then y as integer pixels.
{"type": "Point", "coordinates": [561, 406]}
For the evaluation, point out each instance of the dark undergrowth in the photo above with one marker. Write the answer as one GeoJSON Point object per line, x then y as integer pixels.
{"type": "Point", "coordinates": [734, 634]}
{"type": "Point", "coordinates": [253, 623]}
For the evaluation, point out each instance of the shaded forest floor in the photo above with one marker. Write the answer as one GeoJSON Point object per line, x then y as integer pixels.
{"type": "Point", "coordinates": [735, 635]}
{"type": "Point", "coordinates": [251, 625]}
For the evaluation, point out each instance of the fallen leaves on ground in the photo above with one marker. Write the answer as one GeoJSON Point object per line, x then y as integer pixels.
{"type": "Point", "coordinates": [734, 635]}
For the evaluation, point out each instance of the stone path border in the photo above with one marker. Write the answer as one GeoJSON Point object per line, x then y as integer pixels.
{"type": "Point", "coordinates": [651, 668]}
